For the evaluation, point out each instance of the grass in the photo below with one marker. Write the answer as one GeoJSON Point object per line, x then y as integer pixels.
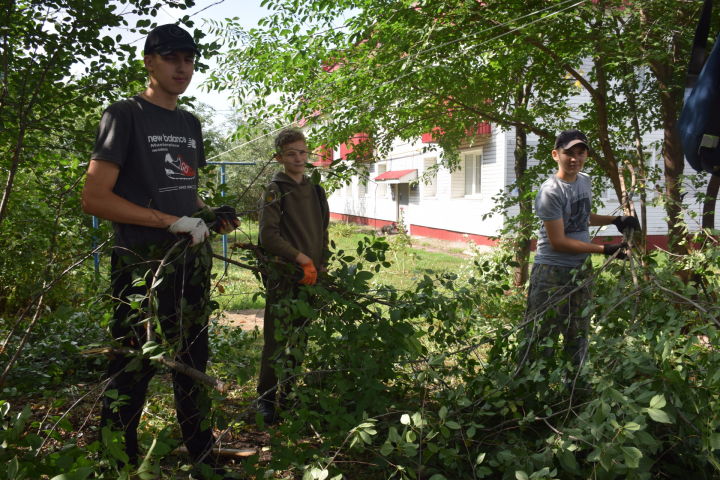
{"type": "Point", "coordinates": [238, 289]}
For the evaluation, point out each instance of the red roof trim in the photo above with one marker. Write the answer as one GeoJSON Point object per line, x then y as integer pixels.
{"type": "Point", "coordinates": [482, 128]}
{"type": "Point", "coordinates": [347, 147]}
{"type": "Point", "coordinates": [394, 174]}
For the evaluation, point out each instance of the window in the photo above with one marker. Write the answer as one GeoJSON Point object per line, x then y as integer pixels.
{"type": "Point", "coordinates": [429, 177]}
{"type": "Point", "coordinates": [382, 188]}
{"type": "Point", "coordinates": [362, 180]}
{"type": "Point", "coordinates": [472, 166]}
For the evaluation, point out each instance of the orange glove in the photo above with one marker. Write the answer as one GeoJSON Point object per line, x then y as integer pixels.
{"type": "Point", "coordinates": [309, 273]}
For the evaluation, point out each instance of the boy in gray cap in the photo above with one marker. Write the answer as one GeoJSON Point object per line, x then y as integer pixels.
{"type": "Point", "coordinates": [143, 176]}
{"type": "Point", "coordinates": [559, 289]}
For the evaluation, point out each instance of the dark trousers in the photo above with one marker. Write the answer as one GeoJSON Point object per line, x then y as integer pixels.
{"type": "Point", "coordinates": [183, 312]}
{"type": "Point", "coordinates": [284, 338]}
{"type": "Point", "coordinates": [556, 300]}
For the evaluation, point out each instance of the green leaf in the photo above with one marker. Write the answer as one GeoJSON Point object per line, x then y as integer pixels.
{"type": "Point", "coordinates": [632, 426]}
{"type": "Point", "coordinates": [520, 475]}
{"type": "Point", "coordinates": [658, 415]}
{"type": "Point", "coordinates": [632, 456]}
{"type": "Point", "coordinates": [568, 462]}
{"type": "Point", "coordinates": [417, 419]}
{"type": "Point", "coordinates": [658, 401]}
{"type": "Point", "coordinates": [365, 437]}
{"type": "Point", "coordinates": [386, 449]}
{"type": "Point", "coordinates": [80, 474]}
{"type": "Point", "coordinates": [480, 458]}
{"type": "Point", "coordinates": [715, 441]}
{"type": "Point", "coordinates": [405, 419]}
{"type": "Point", "coordinates": [438, 476]}
{"type": "Point", "coordinates": [452, 425]}
{"type": "Point", "coordinates": [442, 413]}
{"type": "Point", "coordinates": [149, 348]}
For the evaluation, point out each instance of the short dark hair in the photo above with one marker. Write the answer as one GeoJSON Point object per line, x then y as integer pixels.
{"type": "Point", "coordinates": [288, 135]}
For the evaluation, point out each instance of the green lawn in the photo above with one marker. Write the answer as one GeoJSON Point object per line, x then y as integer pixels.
{"type": "Point", "coordinates": [238, 288]}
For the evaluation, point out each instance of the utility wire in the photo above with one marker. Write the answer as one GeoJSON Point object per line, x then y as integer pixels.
{"type": "Point", "coordinates": [336, 79]}
{"type": "Point", "coordinates": [473, 34]}
{"type": "Point", "coordinates": [496, 37]}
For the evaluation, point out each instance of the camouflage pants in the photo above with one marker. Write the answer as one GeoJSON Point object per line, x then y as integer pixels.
{"type": "Point", "coordinates": [556, 300]}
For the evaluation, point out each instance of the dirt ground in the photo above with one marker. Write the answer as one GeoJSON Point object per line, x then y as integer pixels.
{"type": "Point", "coordinates": [245, 319]}
{"type": "Point", "coordinates": [458, 249]}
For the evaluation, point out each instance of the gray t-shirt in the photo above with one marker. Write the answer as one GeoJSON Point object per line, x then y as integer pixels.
{"type": "Point", "coordinates": [571, 202]}
{"type": "Point", "coordinates": [159, 152]}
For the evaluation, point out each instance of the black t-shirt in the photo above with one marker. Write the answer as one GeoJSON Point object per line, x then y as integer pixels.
{"type": "Point", "coordinates": [159, 152]}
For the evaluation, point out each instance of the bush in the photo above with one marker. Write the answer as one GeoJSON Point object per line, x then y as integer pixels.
{"type": "Point", "coordinates": [422, 384]}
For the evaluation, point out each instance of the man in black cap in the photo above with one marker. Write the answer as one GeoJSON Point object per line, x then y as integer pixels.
{"type": "Point", "coordinates": [143, 176]}
{"type": "Point", "coordinates": [559, 290]}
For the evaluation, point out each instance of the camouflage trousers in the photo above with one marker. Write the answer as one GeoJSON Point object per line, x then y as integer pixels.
{"type": "Point", "coordinates": [556, 300]}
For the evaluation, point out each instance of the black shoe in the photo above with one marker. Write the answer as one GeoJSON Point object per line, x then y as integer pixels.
{"type": "Point", "coordinates": [268, 412]}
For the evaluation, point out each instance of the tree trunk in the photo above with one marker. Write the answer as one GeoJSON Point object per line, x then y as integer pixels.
{"type": "Point", "coordinates": [11, 175]}
{"type": "Point", "coordinates": [708, 217]}
{"type": "Point", "coordinates": [674, 165]}
{"type": "Point", "coordinates": [522, 242]}
{"type": "Point", "coordinates": [670, 93]}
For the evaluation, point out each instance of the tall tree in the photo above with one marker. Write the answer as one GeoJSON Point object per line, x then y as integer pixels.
{"type": "Point", "coordinates": [48, 48]}
{"type": "Point", "coordinates": [397, 69]}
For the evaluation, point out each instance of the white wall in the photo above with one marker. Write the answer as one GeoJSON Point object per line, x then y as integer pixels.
{"type": "Point", "coordinates": [449, 208]}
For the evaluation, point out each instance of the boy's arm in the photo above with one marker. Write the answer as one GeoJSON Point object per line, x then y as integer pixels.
{"type": "Point", "coordinates": [99, 199]}
{"type": "Point", "coordinates": [600, 220]}
{"type": "Point", "coordinates": [560, 242]}
{"type": "Point", "coordinates": [622, 223]}
{"type": "Point", "coordinates": [270, 237]}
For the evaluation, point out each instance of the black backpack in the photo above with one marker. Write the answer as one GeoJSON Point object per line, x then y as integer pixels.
{"type": "Point", "coordinates": [699, 122]}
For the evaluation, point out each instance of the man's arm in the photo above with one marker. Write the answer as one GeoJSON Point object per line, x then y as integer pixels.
{"type": "Point", "coordinates": [560, 242]}
{"type": "Point", "coordinates": [98, 199]}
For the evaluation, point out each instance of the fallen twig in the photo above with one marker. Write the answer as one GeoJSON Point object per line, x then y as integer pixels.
{"type": "Point", "coordinates": [179, 367]}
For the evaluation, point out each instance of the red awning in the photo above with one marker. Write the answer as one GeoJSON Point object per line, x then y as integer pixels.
{"type": "Point", "coordinates": [397, 176]}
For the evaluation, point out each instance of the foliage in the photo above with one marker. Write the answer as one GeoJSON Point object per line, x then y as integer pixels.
{"type": "Point", "coordinates": [249, 164]}
{"type": "Point", "coordinates": [395, 70]}
{"type": "Point", "coordinates": [436, 393]}
{"type": "Point", "coordinates": [422, 382]}
{"type": "Point", "coordinates": [412, 382]}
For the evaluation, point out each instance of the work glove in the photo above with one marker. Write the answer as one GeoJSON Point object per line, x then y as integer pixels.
{"type": "Point", "coordinates": [626, 222]}
{"type": "Point", "coordinates": [309, 273]}
{"type": "Point", "coordinates": [620, 248]}
{"type": "Point", "coordinates": [226, 219]}
{"type": "Point", "coordinates": [195, 227]}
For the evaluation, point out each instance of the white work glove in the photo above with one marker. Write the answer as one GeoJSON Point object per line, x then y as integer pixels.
{"type": "Point", "coordinates": [195, 227]}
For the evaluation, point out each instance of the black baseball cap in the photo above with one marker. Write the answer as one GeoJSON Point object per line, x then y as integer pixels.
{"type": "Point", "coordinates": [169, 38]}
{"type": "Point", "coordinates": [570, 138]}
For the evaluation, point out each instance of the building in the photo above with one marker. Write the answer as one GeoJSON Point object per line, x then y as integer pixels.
{"type": "Point", "coordinates": [407, 186]}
